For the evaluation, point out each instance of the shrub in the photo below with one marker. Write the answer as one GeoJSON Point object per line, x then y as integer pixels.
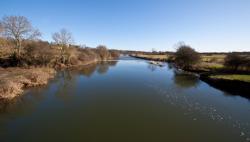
{"type": "Point", "coordinates": [114, 54]}
{"type": "Point", "coordinates": [40, 53]}
{"type": "Point", "coordinates": [235, 61]}
{"type": "Point", "coordinates": [186, 57]}
{"type": "Point", "coordinates": [87, 54]}
{"type": "Point", "coordinates": [103, 52]}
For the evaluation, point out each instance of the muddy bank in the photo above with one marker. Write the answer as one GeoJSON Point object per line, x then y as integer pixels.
{"type": "Point", "coordinates": [13, 81]}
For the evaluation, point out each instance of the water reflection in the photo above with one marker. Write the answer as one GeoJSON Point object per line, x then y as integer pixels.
{"type": "Point", "coordinates": [152, 67]}
{"type": "Point", "coordinates": [89, 70]}
{"type": "Point", "coordinates": [185, 80]}
{"type": "Point", "coordinates": [20, 104]}
{"type": "Point", "coordinates": [81, 101]}
{"type": "Point", "coordinates": [66, 87]}
{"type": "Point", "coordinates": [103, 68]}
{"type": "Point", "coordinates": [63, 85]}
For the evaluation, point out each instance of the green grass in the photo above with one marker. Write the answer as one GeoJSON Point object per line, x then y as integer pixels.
{"type": "Point", "coordinates": [211, 65]}
{"type": "Point", "coordinates": [245, 78]}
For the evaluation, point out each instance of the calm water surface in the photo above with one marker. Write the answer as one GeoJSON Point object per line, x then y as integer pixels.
{"type": "Point", "coordinates": [126, 101]}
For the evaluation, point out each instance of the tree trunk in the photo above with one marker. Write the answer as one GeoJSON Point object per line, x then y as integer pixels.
{"type": "Point", "coordinates": [18, 47]}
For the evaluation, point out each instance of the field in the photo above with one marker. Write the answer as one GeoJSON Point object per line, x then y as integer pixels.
{"type": "Point", "coordinates": [208, 62]}
{"type": "Point", "coordinates": [153, 56]}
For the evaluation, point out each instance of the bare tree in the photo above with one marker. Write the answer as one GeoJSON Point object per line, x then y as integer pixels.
{"type": "Point", "coordinates": [1, 28]}
{"type": "Point", "coordinates": [63, 38]}
{"type": "Point", "coordinates": [18, 28]}
{"type": "Point", "coordinates": [103, 52]}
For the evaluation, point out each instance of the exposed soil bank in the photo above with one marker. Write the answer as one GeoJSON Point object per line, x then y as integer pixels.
{"type": "Point", "coordinates": [13, 81]}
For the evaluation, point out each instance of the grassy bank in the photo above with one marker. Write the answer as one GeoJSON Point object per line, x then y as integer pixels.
{"type": "Point", "coordinates": [13, 81]}
{"type": "Point", "coordinates": [236, 84]}
{"type": "Point", "coordinates": [238, 77]}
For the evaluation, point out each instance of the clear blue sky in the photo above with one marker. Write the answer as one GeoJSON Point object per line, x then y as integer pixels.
{"type": "Point", "coordinates": [206, 25]}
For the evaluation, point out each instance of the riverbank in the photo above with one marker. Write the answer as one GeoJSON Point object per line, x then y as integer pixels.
{"type": "Point", "coordinates": [14, 80]}
{"type": "Point", "coordinates": [162, 58]}
{"type": "Point", "coordinates": [212, 71]}
{"type": "Point", "coordinates": [235, 84]}
{"type": "Point", "coordinates": [26, 69]}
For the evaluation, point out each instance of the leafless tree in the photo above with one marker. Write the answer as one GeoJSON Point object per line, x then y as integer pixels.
{"type": "Point", "coordinates": [103, 52]}
{"type": "Point", "coordinates": [18, 28]}
{"type": "Point", "coordinates": [63, 38]}
{"type": "Point", "coordinates": [1, 28]}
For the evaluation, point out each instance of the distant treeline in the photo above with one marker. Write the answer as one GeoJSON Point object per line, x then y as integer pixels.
{"type": "Point", "coordinates": [225, 53]}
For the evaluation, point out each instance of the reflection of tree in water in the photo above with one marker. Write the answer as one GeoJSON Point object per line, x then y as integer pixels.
{"type": "Point", "coordinates": [67, 79]}
{"type": "Point", "coordinates": [23, 105]}
{"type": "Point", "coordinates": [112, 63]}
{"type": "Point", "coordinates": [152, 67]}
{"type": "Point", "coordinates": [170, 66]}
{"type": "Point", "coordinates": [87, 70]}
{"type": "Point", "coordinates": [103, 67]}
{"type": "Point", "coordinates": [184, 80]}
{"type": "Point", "coordinates": [66, 85]}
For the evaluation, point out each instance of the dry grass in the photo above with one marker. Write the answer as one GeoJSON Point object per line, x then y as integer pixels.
{"type": "Point", "coordinates": [13, 80]}
{"type": "Point", "coordinates": [218, 58]}
{"type": "Point", "coordinates": [205, 58]}
{"type": "Point", "coordinates": [208, 62]}
{"type": "Point", "coordinates": [153, 57]}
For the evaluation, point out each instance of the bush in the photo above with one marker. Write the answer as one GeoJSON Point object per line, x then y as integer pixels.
{"type": "Point", "coordinates": [87, 54]}
{"type": "Point", "coordinates": [40, 54]}
{"type": "Point", "coordinates": [186, 57]}
{"type": "Point", "coordinates": [103, 52]}
{"type": "Point", "coordinates": [114, 54]}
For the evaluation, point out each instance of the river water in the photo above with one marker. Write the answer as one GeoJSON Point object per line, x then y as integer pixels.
{"type": "Point", "coordinates": [128, 100]}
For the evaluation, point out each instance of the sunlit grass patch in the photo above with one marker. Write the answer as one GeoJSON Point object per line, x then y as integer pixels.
{"type": "Point", "coordinates": [245, 78]}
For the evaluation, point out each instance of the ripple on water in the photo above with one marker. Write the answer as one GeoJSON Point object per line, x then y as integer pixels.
{"type": "Point", "coordinates": [191, 107]}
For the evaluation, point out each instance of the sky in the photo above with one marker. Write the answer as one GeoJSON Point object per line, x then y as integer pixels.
{"type": "Point", "coordinates": [205, 25]}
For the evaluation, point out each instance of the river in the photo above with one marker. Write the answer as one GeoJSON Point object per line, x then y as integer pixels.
{"type": "Point", "coordinates": [128, 100]}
